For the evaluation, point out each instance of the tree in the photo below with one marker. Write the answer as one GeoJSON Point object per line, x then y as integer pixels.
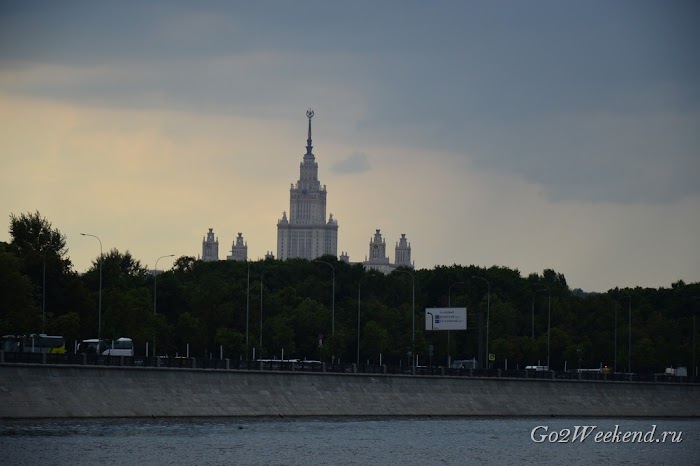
{"type": "Point", "coordinates": [280, 337]}
{"type": "Point", "coordinates": [33, 233]}
{"type": "Point", "coordinates": [375, 340]}
{"type": "Point", "coordinates": [42, 253]}
{"type": "Point", "coordinates": [118, 270]}
{"type": "Point", "coordinates": [189, 330]}
{"type": "Point", "coordinates": [19, 312]}
{"type": "Point", "coordinates": [232, 341]}
{"type": "Point", "coordinates": [67, 325]}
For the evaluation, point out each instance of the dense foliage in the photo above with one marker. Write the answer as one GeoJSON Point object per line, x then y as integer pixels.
{"type": "Point", "coordinates": [210, 307]}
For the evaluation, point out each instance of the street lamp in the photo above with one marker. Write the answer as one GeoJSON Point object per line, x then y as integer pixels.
{"type": "Point", "coordinates": [333, 297]}
{"type": "Point", "coordinates": [155, 281]}
{"type": "Point", "coordinates": [488, 312]}
{"type": "Point", "coordinates": [533, 319]}
{"type": "Point", "coordinates": [43, 298]}
{"type": "Point", "coordinates": [99, 298]}
{"type": "Point", "coordinates": [629, 336]}
{"type": "Point", "coordinates": [247, 312]}
{"type": "Point", "coordinates": [549, 316]}
{"type": "Point", "coordinates": [693, 370]}
{"type": "Point", "coordinates": [615, 346]}
{"type": "Point", "coordinates": [413, 316]}
{"type": "Point", "coordinates": [261, 309]}
{"type": "Point", "coordinates": [449, 304]}
{"type": "Point", "coordinates": [359, 288]}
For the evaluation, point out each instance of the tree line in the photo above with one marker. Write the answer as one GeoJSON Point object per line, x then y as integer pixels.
{"type": "Point", "coordinates": [288, 307]}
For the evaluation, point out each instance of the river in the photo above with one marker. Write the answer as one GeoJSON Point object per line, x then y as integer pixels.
{"type": "Point", "coordinates": [352, 441]}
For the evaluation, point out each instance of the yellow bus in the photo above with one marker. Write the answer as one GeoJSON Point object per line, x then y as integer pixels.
{"type": "Point", "coordinates": [34, 343]}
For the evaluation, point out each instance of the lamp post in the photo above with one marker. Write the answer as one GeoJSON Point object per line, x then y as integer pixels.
{"type": "Point", "coordinates": [43, 298]}
{"type": "Point", "coordinates": [615, 346]}
{"type": "Point", "coordinates": [488, 312]}
{"type": "Point", "coordinates": [99, 296]}
{"type": "Point", "coordinates": [247, 311]}
{"type": "Point", "coordinates": [532, 338]}
{"type": "Point", "coordinates": [359, 289]}
{"type": "Point", "coordinates": [155, 281]}
{"type": "Point", "coordinates": [693, 371]}
{"type": "Point", "coordinates": [629, 336]}
{"type": "Point", "coordinates": [413, 316]}
{"type": "Point", "coordinates": [549, 316]}
{"type": "Point", "coordinates": [333, 296]}
{"type": "Point", "coordinates": [261, 309]}
{"type": "Point", "coordinates": [449, 304]}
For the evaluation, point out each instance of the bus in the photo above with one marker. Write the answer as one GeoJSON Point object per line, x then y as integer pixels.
{"type": "Point", "coordinates": [537, 368]}
{"type": "Point", "coordinates": [120, 347]}
{"type": "Point", "coordinates": [92, 346]}
{"type": "Point", "coordinates": [34, 343]}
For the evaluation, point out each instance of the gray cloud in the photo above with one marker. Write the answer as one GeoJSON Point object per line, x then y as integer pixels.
{"type": "Point", "coordinates": [356, 162]}
{"type": "Point", "coordinates": [594, 101]}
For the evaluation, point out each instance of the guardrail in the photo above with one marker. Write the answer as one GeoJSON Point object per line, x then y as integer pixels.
{"type": "Point", "coordinates": [322, 367]}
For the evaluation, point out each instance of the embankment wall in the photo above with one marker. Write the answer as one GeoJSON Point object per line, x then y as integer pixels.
{"type": "Point", "coordinates": [52, 391]}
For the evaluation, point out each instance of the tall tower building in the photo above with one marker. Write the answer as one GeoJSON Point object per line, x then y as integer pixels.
{"type": "Point", "coordinates": [306, 234]}
{"type": "Point", "coordinates": [239, 250]}
{"type": "Point", "coordinates": [378, 260]}
{"type": "Point", "coordinates": [210, 247]}
{"type": "Point", "coordinates": [402, 254]}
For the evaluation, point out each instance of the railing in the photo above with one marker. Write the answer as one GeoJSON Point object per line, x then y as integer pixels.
{"type": "Point", "coordinates": [315, 366]}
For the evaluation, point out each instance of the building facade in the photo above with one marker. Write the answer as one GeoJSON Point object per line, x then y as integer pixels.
{"type": "Point", "coordinates": [306, 233]}
{"type": "Point", "coordinates": [239, 250]}
{"type": "Point", "coordinates": [210, 247]}
{"type": "Point", "coordinates": [378, 260]}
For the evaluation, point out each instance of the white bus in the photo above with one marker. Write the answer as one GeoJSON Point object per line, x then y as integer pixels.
{"type": "Point", "coordinates": [92, 346]}
{"type": "Point", "coordinates": [120, 347]}
{"type": "Point", "coordinates": [537, 368]}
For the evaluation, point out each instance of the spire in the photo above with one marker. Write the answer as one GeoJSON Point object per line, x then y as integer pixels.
{"type": "Point", "coordinates": [309, 115]}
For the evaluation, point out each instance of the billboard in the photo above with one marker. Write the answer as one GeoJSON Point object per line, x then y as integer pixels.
{"type": "Point", "coordinates": [446, 318]}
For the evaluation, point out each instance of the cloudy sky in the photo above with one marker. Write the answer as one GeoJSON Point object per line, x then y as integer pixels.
{"type": "Point", "coordinates": [531, 135]}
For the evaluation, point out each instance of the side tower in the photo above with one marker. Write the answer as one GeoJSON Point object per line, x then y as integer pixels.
{"type": "Point", "coordinates": [402, 254]}
{"type": "Point", "coordinates": [377, 249]}
{"type": "Point", "coordinates": [210, 247]}
{"type": "Point", "coordinates": [239, 250]}
{"type": "Point", "coordinates": [306, 234]}
{"type": "Point", "coordinates": [377, 259]}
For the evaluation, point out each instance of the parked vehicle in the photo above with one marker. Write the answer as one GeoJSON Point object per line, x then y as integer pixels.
{"type": "Point", "coordinates": [92, 346]}
{"type": "Point", "coordinates": [537, 368]}
{"type": "Point", "coordinates": [34, 343]}
{"type": "Point", "coordinates": [121, 347]}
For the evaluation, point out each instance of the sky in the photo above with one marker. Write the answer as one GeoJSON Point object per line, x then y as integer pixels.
{"type": "Point", "coordinates": [528, 135]}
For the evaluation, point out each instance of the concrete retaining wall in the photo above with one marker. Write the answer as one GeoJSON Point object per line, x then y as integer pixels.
{"type": "Point", "coordinates": [41, 391]}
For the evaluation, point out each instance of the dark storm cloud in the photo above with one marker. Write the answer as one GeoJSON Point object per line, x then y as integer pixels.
{"type": "Point", "coordinates": [595, 101]}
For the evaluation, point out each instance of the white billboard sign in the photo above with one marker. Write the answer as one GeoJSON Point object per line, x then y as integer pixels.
{"type": "Point", "coordinates": [446, 318]}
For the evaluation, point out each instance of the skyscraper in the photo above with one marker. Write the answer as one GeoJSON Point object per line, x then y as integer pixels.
{"type": "Point", "coordinates": [306, 234]}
